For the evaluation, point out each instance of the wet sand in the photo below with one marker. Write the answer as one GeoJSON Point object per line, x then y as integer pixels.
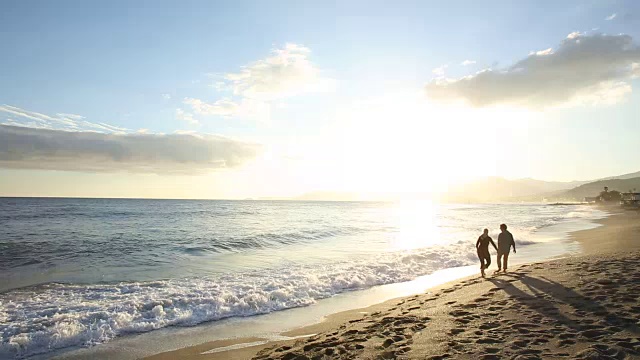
{"type": "Point", "coordinates": [579, 307]}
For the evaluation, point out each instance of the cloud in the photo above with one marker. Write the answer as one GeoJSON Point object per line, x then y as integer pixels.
{"type": "Point", "coordinates": [574, 35]}
{"type": "Point", "coordinates": [286, 72]}
{"type": "Point", "coordinates": [246, 108]}
{"type": "Point", "coordinates": [583, 69]}
{"type": "Point", "coordinates": [223, 107]}
{"type": "Point", "coordinates": [32, 148]}
{"type": "Point", "coordinates": [544, 52]}
{"type": "Point", "coordinates": [611, 17]}
{"type": "Point", "coordinates": [166, 96]}
{"type": "Point", "coordinates": [439, 71]}
{"type": "Point", "coordinates": [69, 122]}
{"type": "Point", "coordinates": [186, 116]}
{"type": "Point", "coordinates": [71, 116]}
{"type": "Point", "coordinates": [31, 140]}
{"type": "Point", "coordinates": [468, 62]}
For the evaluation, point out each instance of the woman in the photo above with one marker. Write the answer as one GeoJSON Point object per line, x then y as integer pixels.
{"type": "Point", "coordinates": [482, 245]}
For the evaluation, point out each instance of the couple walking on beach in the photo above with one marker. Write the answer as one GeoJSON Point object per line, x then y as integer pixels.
{"type": "Point", "coordinates": [505, 242]}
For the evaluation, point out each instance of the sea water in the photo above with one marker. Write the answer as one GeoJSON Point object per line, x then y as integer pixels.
{"type": "Point", "coordinates": [81, 272]}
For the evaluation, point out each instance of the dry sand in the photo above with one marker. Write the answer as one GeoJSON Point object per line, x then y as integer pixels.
{"type": "Point", "coordinates": [584, 307]}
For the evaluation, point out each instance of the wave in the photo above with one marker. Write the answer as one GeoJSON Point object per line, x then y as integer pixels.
{"type": "Point", "coordinates": [44, 318]}
{"type": "Point", "coordinates": [18, 253]}
{"type": "Point", "coordinates": [525, 242]}
{"type": "Point", "coordinates": [41, 319]}
{"type": "Point", "coordinates": [287, 238]}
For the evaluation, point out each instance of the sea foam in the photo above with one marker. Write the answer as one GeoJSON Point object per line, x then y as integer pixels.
{"type": "Point", "coordinates": [43, 318]}
{"type": "Point", "coordinates": [53, 316]}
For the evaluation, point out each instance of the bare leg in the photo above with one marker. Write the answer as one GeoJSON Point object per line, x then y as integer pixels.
{"type": "Point", "coordinates": [506, 258]}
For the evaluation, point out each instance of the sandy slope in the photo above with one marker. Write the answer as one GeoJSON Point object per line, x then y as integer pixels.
{"type": "Point", "coordinates": [584, 307]}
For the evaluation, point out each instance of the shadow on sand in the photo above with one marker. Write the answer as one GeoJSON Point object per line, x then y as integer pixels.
{"type": "Point", "coordinates": [545, 294]}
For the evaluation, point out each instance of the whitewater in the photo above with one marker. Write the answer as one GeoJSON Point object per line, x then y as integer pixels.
{"type": "Point", "coordinates": [81, 272]}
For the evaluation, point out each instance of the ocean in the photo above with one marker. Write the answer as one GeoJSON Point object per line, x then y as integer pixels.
{"type": "Point", "coordinates": [81, 272]}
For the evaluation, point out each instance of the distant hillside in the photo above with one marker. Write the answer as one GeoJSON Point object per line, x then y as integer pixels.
{"type": "Point", "coordinates": [499, 189]}
{"type": "Point", "coordinates": [494, 189]}
{"type": "Point", "coordinates": [594, 188]}
{"type": "Point", "coordinates": [625, 176]}
{"type": "Point", "coordinates": [549, 186]}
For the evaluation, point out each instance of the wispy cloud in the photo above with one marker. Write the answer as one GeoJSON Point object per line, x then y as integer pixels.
{"type": "Point", "coordinates": [285, 73]}
{"type": "Point", "coordinates": [574, 35]}
{"type": "Point", "coordinates": [32, 140]}
{"type": "Point", "coordinates": [468, 62]}
{"type": "Point", "coordinates": [544, 52]}
{"type": "Point", "coordinates": [223, 107]}
{"type": "Point", "coordinates": [288, 71]}
{"type": "Point", "coordinates": [611, 17]}
{"type": "Point", "coordinates": [31, 148]}
{"type": "Point", "coordinates": [186, 116]}
{"type": "Point", "coordinates": [583, 69]}
{"type": "Point", "coordinates": [69, 122]}
{"type": "Point", "coordinates": [439, 71]}
{"type": "Point", "coordinates": [166, 96]}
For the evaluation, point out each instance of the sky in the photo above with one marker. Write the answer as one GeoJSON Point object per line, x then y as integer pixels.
{"type": "Point", "coordinates": [250, 99]}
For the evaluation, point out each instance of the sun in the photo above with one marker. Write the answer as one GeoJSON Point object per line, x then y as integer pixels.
{"type": "Point", "coordinates": [393, 145]}
{"type": "Point", "coordinates": [405, 143]}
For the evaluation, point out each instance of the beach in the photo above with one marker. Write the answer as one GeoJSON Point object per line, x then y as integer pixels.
{"type": "Point", "coordinates": [342, 186]}
{"type": "Point", "coordinates": [130, 278]}
{"type": "Point", "coordinates": [581, 306]}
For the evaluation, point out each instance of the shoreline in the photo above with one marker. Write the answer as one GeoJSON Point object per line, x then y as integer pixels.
{"type": "Point", "coordinates": [251, 348]}
{"type": "Point", "coordinates": [246, 348]}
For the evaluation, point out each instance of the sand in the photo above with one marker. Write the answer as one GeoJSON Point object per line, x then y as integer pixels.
{"type": "Point", "coordinates": [584, 307]}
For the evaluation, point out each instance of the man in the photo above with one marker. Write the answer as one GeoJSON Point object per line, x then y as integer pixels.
{"type": "Point", "coordinates": [482, 245]}
{"type": "Point", "coordinates": [505, 241]}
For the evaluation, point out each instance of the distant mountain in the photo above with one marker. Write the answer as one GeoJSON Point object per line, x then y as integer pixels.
{"type": "Point", "coordinates": [594, 188]}
{"type": "Point", "coordinates": [625, 176]}
{"type": "Point", "coordinates": [549, 186]}
{"type": "Point", "coordinates": [493, 189]}
{"type": "Point", "coordinates": [497, 189]}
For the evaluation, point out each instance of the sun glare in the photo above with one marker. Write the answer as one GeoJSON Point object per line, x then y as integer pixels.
{"type": "Point", "coordinates": [418, 224]}
{"type": "Point", "coordinates": [404, 143]}
{"type": "Point", "coordinates": [396, 144]}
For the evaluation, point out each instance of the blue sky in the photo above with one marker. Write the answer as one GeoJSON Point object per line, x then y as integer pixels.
{"type": "Point", "coordinates": [135, 65]}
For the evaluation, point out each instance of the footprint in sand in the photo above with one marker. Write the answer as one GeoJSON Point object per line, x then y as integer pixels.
{"type": "Point", "coordinates": [593, 334]}
{"type": "Point", "coordinates": [439, 357]}
{"type": "Point", "coordinates": [488, 340]}
{"type": "Point", "coordinates": [458, 313]}
{"type": "Point", "coordinates": [565, 342]}
{"type": "Point", "coordinates": [489, 325]}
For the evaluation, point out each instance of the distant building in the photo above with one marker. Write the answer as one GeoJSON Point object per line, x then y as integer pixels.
{"type": "Point", "coordinates": [631, 199]}
{"type": "Point", "coordinates": [591, 199]}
